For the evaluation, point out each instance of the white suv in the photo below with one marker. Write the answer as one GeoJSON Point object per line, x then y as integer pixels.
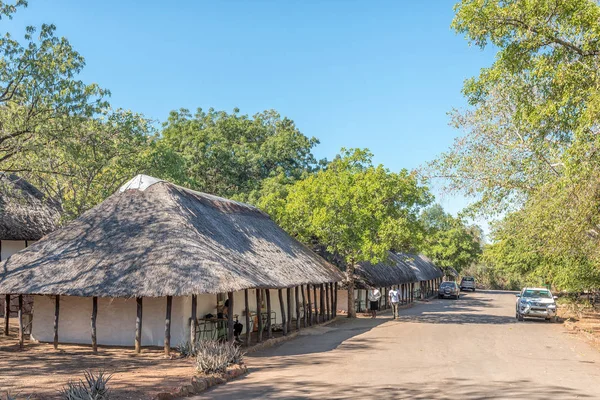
{"type": "Point", "coordinates": [467, 282]}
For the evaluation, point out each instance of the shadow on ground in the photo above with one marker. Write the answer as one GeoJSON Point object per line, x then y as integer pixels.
{"type": "Point", "coordinates": [323, 339]}
{"type": "Point", "coordinates": [457, 388]}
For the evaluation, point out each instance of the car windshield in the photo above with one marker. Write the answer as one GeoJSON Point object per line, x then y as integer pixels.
{"type": "Point", "coordinates": [537, 293]}
{"type": "Point", "coordinates": [468, 279]}
{"type": "Point", "coordinates": [447, 284]}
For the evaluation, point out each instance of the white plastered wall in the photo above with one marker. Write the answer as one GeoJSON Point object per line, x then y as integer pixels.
{"type": "Point", "coordinates": [115, 323]}
{"type": "Point", "coordinates": [10, 247]}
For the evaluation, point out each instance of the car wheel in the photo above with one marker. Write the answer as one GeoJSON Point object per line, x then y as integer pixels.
{"type": "Point", "coordinates": [519, 317]}
{"type": "Point", "coordinates": [473, 289]}
{"type": "Point", "coordinates": [439, 296]}
{"type": "Point", "coordinates": [554, 319]}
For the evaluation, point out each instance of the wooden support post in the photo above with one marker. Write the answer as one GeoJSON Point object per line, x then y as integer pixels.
{"type": "Point", "coordinates": [269, 312]}
{"type": "Point", "coordinates": [297, 299]}
{"type": "Point", "coordinates": [327, 302]}
{"type": "Point", "coordinates": [335, 301]}
{"type": "Point", "coordinates": [305, 316]}
{"type": "Point", "coordinates": [93, 324]}
{"type": "Point", "coordinates": [138, 325]}
{"type": "Point", "coordinates": [7, 315]}
{"type": "Point", "coordinates": [316, 307]}
{"type": "Point", "coordinates": [230, 309]}
{"type": "Point", "coordinates": [194, 319]}
{"type": "Point", "coordinates": [289, 309]}
{"type": "Point", "coordinates": [310, 313]}
{"type": "Point", "coordinates": [322, 302]}
{"type": "Point", "coordinates": [20, 317]}
{"type": "Point", "coordinates": [282, 304]}
{"type": "Point", "coordinates": [259, 332]}
{"type": "Point", "coordinates": [56, 312]}
{"type": "Point", "coordinates": [247, 311]}
{"type": "Point", "coordinates": [168, 325]}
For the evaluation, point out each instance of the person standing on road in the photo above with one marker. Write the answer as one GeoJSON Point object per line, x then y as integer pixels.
{"type": "Point", "coordinates": [394, 300]}
{"type": "Point", "coordinates": [374, 296]}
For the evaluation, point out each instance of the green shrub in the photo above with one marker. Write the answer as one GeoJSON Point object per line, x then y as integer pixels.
{"type": "Point", "coordinates": [213, 356]}
{"type": "Point", "coordinates": [94, 388]}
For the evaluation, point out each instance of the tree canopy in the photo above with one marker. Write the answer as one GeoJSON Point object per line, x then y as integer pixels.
{"type": "Point", "coordinates": [531, 133]}
{"type": "Point", "coordinates": [356, 210]}
{"type": "Point", "coordinates": [448, 241]}
{"type": "Point", "coordinates": [231, 154]}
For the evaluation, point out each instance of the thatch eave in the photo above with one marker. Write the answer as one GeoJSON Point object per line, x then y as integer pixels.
{"type": "Point", "coordinates": [164, 240]}
{"type": "Point", "coordinates": [25, 212]}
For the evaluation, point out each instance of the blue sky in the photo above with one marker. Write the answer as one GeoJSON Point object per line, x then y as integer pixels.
{"type": "Point", "coordinates": [375, 74]}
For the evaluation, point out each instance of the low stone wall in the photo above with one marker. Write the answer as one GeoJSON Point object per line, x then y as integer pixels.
{"type": "Point", "coordinates": [200, 383]}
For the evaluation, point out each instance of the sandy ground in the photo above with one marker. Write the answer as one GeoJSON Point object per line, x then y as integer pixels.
{"type": "Point", "coordinates": [42, 371]}
{"type": "Point", "coordinates": [472, 348]}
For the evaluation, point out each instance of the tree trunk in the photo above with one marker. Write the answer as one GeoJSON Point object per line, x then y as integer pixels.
{"type": "Point", "coordinates": [193, 319]}
{"type": "Point", "coordinates": [310, 313]}
{"type": "Point", "coordinates": [259, 332]}
{"type": "Point", "coordinates": [20, 319]}
{"type": "Point", "coordinates": [93, 322]}
{"type": "Point", "coordinates": [230, 318]}
{"type": "Point", "coordinates": [316, 307]}
{"type": "Point", "coordinates": [269, 312]}
{"type": "Point", "coordinates": [138, 325]}
{"type": "Point", "coordinates": [297, 298]}
{"type": "Point", "coordinates": [350, 280]}
{"type": "Point", "coordinates": [289, 309]}
{"type": "Point", "coordinates": [282, 304]}
{"type": "Point", "coordinates": [7, 315]}
{"type": "Point", "coordinates": [168, 326]}
{"type": "Point", "coordinates": [327, 302]}
{"type": "Point", "coordinates": [247, 305]}
{"type": "Point", "coordinates": [56, 313]}
{"type": "Point", "coordinates": [334, 298]}
{"type": "Point", "coordinates": [322, 302]}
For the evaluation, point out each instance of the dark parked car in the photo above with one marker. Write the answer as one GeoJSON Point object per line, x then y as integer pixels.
{"type": "Point", "coordinates": [449, 289]}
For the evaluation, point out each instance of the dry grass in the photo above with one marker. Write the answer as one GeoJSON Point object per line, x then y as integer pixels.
{"type": "Point", "coordinates": [41, 371]}
{"type": "Point", "coordinates": [582, 318]}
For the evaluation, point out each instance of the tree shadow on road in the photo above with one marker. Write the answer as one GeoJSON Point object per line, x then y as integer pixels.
{"type": "Point", "coordinates": [323, 339]}
{"type": "Point", "coordinates": [451, 389]}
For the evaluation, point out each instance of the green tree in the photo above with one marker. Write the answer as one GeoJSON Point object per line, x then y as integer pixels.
{"type": "Point", "coordinates": [97, 156]}
{"type": "Point", "coordinates": [231, 154]}
{"type": "Point", "coordinates": [358, 211]}
{"type": "Point", "coordinates": [448, 241]}
{"type": "Point", "coordinates": [531, 132]}
{"type": "Point", "coordinates": [40, 95]}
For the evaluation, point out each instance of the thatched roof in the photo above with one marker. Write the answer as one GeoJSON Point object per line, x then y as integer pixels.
{"type": "Point", "coordinates": [153, 238]}
{"type": "Point", "coordinates": [25, 213]}
{"type": "Point", "coordinates": [400, 268]}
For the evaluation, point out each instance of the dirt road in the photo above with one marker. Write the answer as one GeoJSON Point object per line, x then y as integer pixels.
{"type": "Point", "coordinates": [472, 348]}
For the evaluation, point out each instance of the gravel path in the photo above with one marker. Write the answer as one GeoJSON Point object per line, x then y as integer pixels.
{"type": "Point", "coordinates": [472, 348]}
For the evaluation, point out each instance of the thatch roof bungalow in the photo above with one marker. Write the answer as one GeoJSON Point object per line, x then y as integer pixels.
{"type": "Point", "coordinates": [26, 215]}
{"type": "Point", "coordinates": [414, 275]}
{"type": "Point", "coordinates": [179, 250]}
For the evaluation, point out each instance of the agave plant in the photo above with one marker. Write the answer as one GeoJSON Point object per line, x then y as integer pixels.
{"type": "Point", "coordinates": [187, 349]}
{"type": "Point", "coordinates": [94, 388]}
{"type": "Point", "coordinates": [213, 356]}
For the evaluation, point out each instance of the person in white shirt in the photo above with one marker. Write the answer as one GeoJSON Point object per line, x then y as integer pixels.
{"type": "Point", "coordinates": [394, 296]}
{"type": "Point", "coordinates": [374, 296]}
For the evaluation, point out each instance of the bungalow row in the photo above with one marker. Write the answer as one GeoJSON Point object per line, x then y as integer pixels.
{"type": "Point", "coordinates": [156, 264]}
{"type": "Point", "coordinates": [414, 275]}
